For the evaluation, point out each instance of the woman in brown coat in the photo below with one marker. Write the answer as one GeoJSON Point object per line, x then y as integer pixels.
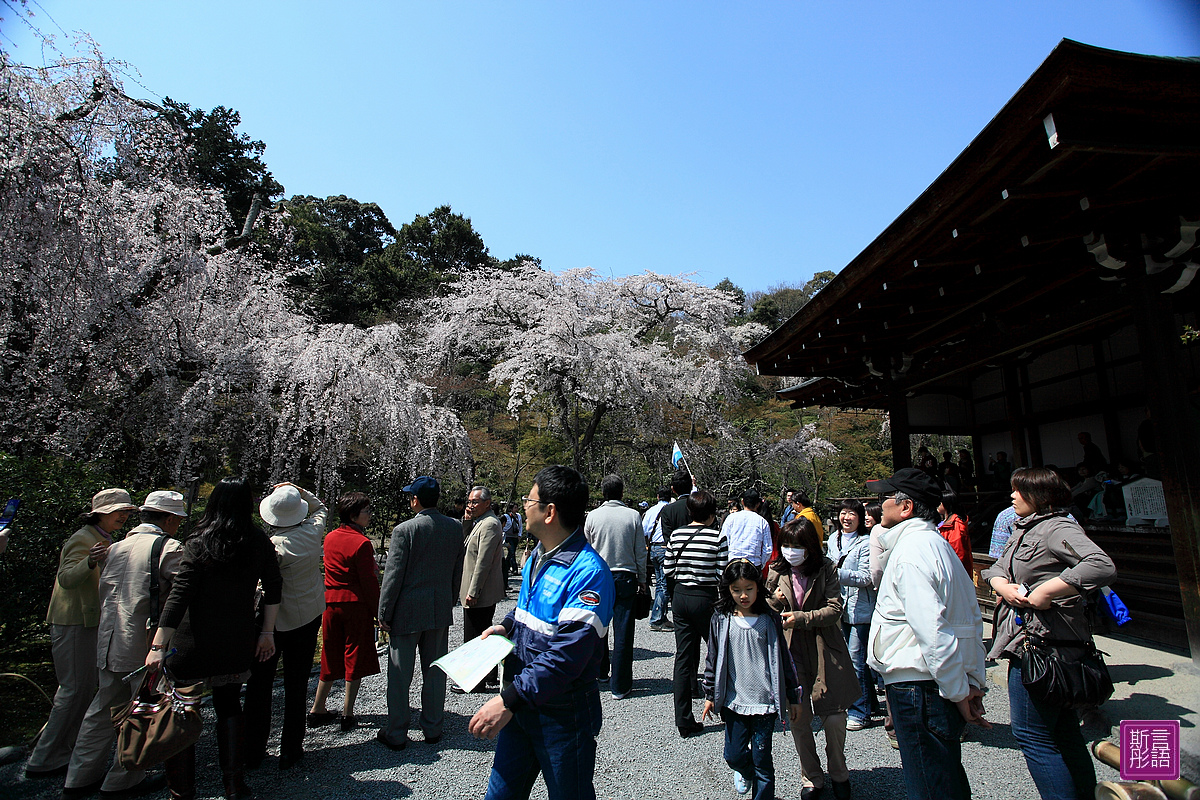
{"type": "Point", "coordinates": [802, 584]}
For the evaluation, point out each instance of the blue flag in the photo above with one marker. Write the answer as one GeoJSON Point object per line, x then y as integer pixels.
{"type": "Point", "coordinates": [676, 454]}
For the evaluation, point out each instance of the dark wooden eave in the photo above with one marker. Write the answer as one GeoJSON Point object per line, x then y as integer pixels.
{"type": "Point", "coordinates": [992, 261]}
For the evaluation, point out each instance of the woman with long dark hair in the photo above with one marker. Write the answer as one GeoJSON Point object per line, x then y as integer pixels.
{"type": "Point", "coordinates": [803, 585]}
{"type": "Point", "coordinates": [209, 619]}
{"type": "Point", "coordinates": [1047, 566]}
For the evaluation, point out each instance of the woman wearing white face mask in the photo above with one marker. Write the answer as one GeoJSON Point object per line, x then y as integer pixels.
{"type": "Point", "coordinates": [803, 585]}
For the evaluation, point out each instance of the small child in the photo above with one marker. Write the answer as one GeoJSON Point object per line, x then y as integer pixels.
{"type": "Point", "coordinates": [749, 677]}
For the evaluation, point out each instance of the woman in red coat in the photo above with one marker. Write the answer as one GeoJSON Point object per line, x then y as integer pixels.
{"type": "Point", "coordinates": [953, 529]}
{"type": "Point", "coordinates": [351, 600]}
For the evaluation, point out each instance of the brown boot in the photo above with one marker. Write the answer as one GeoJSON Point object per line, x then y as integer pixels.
{"type": "Point", "coordinates": [231, 750]}
{"type": "Point", "coordinates": [181, 774]}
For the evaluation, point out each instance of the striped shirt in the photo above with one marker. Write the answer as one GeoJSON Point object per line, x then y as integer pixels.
{"type": "Point", "coordinates": [696, 555]}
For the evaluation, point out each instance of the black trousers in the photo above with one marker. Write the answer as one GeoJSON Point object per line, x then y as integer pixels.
{"type": "Point", "coordinates": [296, 647]}
{"type": "Point", "coordinates": [476, 620]}
{"type": "Point", "coordinates": [693, 610]}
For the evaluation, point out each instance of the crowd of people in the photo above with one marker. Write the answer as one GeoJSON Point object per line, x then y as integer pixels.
{"type": "Point", "coordinates": [876, 622]}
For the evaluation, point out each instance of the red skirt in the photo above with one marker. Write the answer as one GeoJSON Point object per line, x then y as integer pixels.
{"type": "Point", "coordinates": [348, 642]}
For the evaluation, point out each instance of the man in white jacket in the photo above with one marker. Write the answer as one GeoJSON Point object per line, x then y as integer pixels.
{"type": "Point", "coordinates": [926, 639]}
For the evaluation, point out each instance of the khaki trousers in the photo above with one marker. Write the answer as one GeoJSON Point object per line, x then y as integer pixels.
{"type": "Point", "coordinates": [834, 727]}
{"type": "Point", "coordinates": [74, 650]}
{"type": "Point", "coordinates": [95, 741]}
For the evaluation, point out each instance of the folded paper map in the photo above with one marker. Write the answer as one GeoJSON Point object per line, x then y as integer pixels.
{"type": "Point", "coordinates": [469, 664]}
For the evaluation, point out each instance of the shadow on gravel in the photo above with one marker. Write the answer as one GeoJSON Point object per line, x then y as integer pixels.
{"type": "Point", "coordinates": [999, 736]}
{"type": "Point", "coordinates": [878, 782]}
{"type": "Point", "coordinates": [642, 654]}
{"type": "Point", "coordinates": [1132, 673]}
{"type": "Point", "coordinates": [1145, 706]}
{"type": "Point", "coordinates": [652, 686]}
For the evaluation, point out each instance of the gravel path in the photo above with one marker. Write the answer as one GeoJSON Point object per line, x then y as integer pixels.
{"type": "Point", "coordinates": [641, 755]}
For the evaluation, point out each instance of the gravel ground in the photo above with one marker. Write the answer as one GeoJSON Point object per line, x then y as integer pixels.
{"type": "Point", "coordinates": [640, 753]}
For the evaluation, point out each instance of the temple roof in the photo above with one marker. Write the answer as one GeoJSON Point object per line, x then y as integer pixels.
{"type": "Point", "coordinates": [1031, 237]}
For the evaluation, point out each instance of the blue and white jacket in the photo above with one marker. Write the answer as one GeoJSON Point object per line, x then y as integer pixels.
{"type": "Point", "coordinates": [558, 625]}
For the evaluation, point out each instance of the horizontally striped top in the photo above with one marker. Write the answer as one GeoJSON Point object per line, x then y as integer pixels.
{"type": "Point", "coordinates": [696, 555]}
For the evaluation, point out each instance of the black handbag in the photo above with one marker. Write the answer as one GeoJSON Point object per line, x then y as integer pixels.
{"type": "Point", "coordinates": [1064, 673]}
{"type": "Point", "coordinates": [643, 601]}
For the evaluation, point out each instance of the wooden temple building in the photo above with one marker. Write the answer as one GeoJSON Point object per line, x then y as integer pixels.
{"type": "Point", "coordinates": [1041, 287]}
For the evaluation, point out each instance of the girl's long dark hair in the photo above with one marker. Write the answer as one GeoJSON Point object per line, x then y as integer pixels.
{"type": "Point", "coordinates": [800, 532]}
{"type": "Point", "coordinates": [226, 522]}
{"type": "Point", "coordinates": [742, 569]}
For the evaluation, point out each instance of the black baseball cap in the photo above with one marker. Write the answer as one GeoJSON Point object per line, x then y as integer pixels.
{"type": "Point", "coordinates": [915, 483]}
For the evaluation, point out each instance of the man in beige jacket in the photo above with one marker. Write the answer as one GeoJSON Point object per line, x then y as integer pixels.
{"type": "Point", "coordinates": [483, 572]}
{"type": "Point", "coordinates": [122, 644]}
{"type": "Point", "coordinates": [73, 616]}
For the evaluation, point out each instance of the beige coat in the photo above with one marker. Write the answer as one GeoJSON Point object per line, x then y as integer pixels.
{"type": "Point", "coordinates": [76, 596]}
{"type": "Point", "coordinates": [818, 649]}
{"type": "Point", "coordinates": [483, 562]}
{"type": "Point", "coordinates": [300, 553]}
{"type": "Point", "coordinates": [121, 644]}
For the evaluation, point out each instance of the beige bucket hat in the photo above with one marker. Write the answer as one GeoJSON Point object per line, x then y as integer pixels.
{"type": "Point", "coordinates": [109, 500]}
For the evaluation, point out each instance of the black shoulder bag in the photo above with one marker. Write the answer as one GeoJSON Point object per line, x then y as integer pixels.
{"type": "Point", "coordinates": [1056, 678]}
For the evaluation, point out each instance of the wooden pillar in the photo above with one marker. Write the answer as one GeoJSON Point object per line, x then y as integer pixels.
{"type": "Point", "coordinates": [1177, 436]}
{"type": "Point", "coordinates": [1015, 412]}
{"type": "Point", "coordinates": [898, 422]}
{"type": "Point", "coordinates": [1112, 424]}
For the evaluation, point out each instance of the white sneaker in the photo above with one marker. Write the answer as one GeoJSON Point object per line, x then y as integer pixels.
{"type": "Point", "coordinates": [740, 785]}
{"type": "Point", "coordinates": [853, 724]}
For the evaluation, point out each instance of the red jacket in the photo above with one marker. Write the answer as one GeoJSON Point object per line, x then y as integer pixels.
{"type": "Point", "coordinates": [954, 531]}
{"type": "Point", "coordinates": [350, 572]}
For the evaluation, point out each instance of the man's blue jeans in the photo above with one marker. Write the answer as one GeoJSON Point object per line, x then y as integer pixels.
{"type": "Point", "coordinates": [1054, 750]}
{"type": "Point", "coordinates": [927, 730]}
{"type": "Point", "coordinates": [856, 641]}
{"type": "Point", "coordinates": [662, 603]}
{"type": "Point", "coordinates": [621, 680]}
{"type": "Point", "coordinates": [748, 750]}
{"type": "Point", "coordinates": [558, 740]}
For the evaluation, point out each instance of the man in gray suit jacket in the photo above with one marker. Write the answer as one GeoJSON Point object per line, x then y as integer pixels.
{"type": "Point", "coordinates": [416, 602]}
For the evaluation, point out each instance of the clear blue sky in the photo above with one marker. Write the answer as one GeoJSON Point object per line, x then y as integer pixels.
{"type": "Point", "coordinates": [762, 141]}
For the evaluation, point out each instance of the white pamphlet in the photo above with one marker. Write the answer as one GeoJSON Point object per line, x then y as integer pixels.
{"type": "Point", "coordinates": [469, 664]}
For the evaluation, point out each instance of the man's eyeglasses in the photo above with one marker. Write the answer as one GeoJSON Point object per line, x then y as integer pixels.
{"type": "Point", "coordinates": [527, 500]}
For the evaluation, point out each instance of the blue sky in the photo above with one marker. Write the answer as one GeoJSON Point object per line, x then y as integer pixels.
{"type": "Point", "coordinates": [761, 141]}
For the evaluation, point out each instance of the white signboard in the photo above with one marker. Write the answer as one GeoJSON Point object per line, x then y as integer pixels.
{"type": "Point", "coordinates": [1145, 503]}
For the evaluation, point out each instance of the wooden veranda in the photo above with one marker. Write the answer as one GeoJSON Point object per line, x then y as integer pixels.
{"type": "Point", "coordinates": [1042, 286]}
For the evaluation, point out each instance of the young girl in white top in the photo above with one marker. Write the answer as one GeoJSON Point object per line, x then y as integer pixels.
{"type": "Point", "coordinates": [749, 678]}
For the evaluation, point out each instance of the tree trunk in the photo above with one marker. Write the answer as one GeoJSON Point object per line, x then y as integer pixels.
{"type": "Point", "coordinates": [597, 414]}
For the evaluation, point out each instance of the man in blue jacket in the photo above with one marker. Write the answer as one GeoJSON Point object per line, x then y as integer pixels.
{"type": "Point", "coordinates": [547, 716]}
